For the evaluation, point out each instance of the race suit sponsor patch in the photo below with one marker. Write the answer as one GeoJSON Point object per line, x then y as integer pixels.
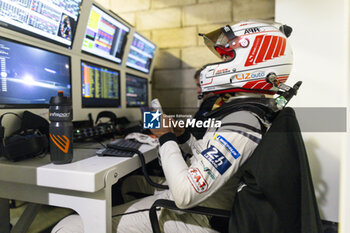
{"type": "Point", "coordinates": [197, 180]}
{"type": "Point", "coordinates": [206, 169]}
{"type": "Point", "coordinates": [217, 159]}
{"type": "Point", "coordinates": [228, 146]}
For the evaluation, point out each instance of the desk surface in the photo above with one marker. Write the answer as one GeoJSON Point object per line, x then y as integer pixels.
{"type": "Point", "coordinates": [86, 172]}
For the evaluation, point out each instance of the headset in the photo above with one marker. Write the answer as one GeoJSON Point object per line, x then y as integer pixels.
{"type": "Point", "coordinates": [107, 114]}
{"type": "Point", "coordinates": [25, 142]}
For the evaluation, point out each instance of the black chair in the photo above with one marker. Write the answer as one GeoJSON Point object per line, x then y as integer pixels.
{"type": "Point", "coordinates": [279, 190]}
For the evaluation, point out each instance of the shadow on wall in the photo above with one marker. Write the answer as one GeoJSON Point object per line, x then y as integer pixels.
{"type": "Point", "coordinates": [320, 186]}
{"type": "Point", "coordinates": [175, 88]}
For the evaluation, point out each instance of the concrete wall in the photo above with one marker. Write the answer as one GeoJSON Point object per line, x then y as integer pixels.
{"type": "Point", "coordinates": [174, 26]}
{"type": "Point", "coordinates": [320, 43]}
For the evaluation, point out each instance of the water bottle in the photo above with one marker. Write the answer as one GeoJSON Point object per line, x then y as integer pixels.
{"type": "Point", "coordinates": [61, 129]}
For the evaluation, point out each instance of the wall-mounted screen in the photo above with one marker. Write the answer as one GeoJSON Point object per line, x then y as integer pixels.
{"type": "Point", "coordinates": [105, 36]}
{"type": "Point", "coordinates": [31, 76]}
{"type": "Point", "coordinates": [141, 54]}
{"type": "Point", "coordinates": [52, 20]}
{"type": "Point", "coordinates": [100, 86]}
{"type": "Point", "coordinates": [136, 91]}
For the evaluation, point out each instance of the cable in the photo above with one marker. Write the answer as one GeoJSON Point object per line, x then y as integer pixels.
{"type": "Point", "coordinates": [143, 165]}
{"type": "Point", "coordinates": [145, 173]}
{"type": "Point", "coordinates": [133, 212]}
{"type": "Point", "coordinates": [101, 144]}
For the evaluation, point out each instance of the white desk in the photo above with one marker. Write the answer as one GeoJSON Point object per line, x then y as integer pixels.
{"type": "Point", "coordinates": [83, 185]}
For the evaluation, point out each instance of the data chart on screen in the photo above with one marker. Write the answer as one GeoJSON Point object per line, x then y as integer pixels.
{"type": "Point", "coordinates": [105, 36]}
{"type": "Point", "coordinates": [100, 86]}
{"type": "Point", "coordinates": [141, 54]}
{"type": "Point", "coordinates": [52, 20]}
{"type": "Point", "coordinates": [136, 91]}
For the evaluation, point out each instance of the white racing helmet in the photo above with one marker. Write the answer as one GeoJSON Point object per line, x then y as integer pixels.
{"type": "Point", "coordinates": [253, 51]}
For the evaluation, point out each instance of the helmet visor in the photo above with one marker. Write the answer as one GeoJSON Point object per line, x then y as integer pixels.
{"type": "Point", "coordinates": [222, 44]}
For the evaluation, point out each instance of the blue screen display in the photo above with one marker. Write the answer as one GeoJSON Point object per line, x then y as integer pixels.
{"type": "Point", "coordinates": [31, 76]}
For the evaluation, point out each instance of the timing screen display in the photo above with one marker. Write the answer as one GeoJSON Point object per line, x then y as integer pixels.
{"type": "Point", "coordinates": [136, 91]}
{"type": "Point", "coordinates": [31, 76]}
{"type": "Point", "coordinates": [105, 36]}
{"type": "Point", "coordinates": [55, 20]}
{"type": "Point", "coordinates": [141, 54]}
{"type": "Point", "coordinates": [100, 86]}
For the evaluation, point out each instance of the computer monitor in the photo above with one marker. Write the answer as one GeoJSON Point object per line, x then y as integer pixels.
{"type": "Point", "coordinates": [105, 36]}
{"type": "Point", "coordinates": [100, 86]}
{"type": "Point", "coordinates": [30, 76]}
{"type": "Point", "coordinates": [141, 54]}
{"type": "Point", "coordinates": [51, 20]}
{"type": "Point", "coordinates": [136, 91]}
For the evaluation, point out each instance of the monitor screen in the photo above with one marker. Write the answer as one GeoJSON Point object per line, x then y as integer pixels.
{"type": "Point", "coordinates": [31, 76]}
{"type": "Point", "coordinates": [52, 20]}
{"type": "Point", "coordinates": [100, 86]}
{"type": "Point", "coordinates": [105, 36]}
{"type": "Point", "coordinates": [141, 54]}
{"type": "Point", "coordinates": [136, 91]}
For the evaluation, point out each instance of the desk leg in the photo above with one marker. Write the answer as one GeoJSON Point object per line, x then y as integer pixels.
{"type": "Point", "coordinates": [95, 209]}
{"type": "Point", "coordinates": [4, 215]}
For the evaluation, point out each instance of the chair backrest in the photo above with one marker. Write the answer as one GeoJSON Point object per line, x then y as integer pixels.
{"type": "Point", "coordinates": [279, 196]}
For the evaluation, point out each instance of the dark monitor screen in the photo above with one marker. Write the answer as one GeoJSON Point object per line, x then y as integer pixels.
{"type": "Point", "coordinates": [100, 86]}
{"type": "Point", "coordinates": [136, 91]}
{"type": "Point", "coordinates": [31, 76]}
{"type": "Point", "coordinates": [141, 54]}
{"type": "Point", "coordinates": [105, 36]}
{"type": "Point", "coordinates": [52, 20]}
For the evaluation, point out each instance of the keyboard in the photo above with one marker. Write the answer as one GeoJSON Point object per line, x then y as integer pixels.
{"type": "Point", "coordinates": [119, 148]}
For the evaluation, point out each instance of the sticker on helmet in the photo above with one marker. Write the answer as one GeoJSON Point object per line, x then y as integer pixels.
{"type": "Point", "coordinates": [246, 76]}
{"type": "Point", "coordinates": [217, 159]}
{"type": "Point", "coordinates": [244, 43]}
{"type": "Point", "coordinates": [228, 146]}
{"type": "Point", "coordinates": [197, 180]}
{"type": "Point", "coordinates": [251, 30]}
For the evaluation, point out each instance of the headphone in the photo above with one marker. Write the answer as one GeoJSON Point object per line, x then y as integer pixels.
{"type": "Point", "coordinates": [107, 114]}
{"type": "Point", "coordinates": [23, 143]}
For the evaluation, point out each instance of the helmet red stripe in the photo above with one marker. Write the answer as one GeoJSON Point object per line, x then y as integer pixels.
{"type": "Point", "coordinates": [263, 49]}
{"type": "Point", "coordinates": [278, 48]}
{"type": "Point", "coordinates": [267, 86]}
{"type": "Point", "coordinates": [271, 48]}
{"type": "Point", "coordinates": [259, 85]}
{"type": "Point", "coordinates": [283, 46]}
{"type": "Point", "coordinates": [250, 84]}
{"type": "Point", "coordinates": [254, 50]}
